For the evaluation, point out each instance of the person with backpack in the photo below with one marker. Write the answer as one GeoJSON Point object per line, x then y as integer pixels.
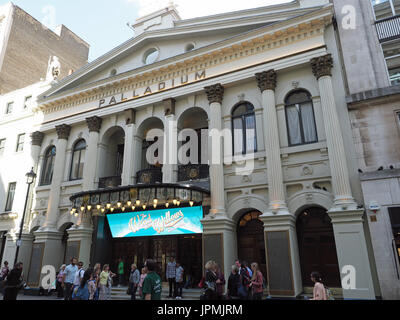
{"type": "Point", "coordinates": [79, 275]}
{"type": "Point", "coordinates": [81, 292]}
{"type": "Point", "coordinates": [244, 282]}
{"type": "Point", "coordinates": [234, 284]}
{"type": "Point", "coordinates": [256, 282]}
{"type": "Point", "coordinates": [319, 292]}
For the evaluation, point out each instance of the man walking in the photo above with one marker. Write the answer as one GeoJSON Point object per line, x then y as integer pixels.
{"type": "Point", "coordinates": [13, 283]}
{"type": "Point", "coordinates": [69, 278]}
{"type": "Point", "coordinates": [134, 280]}
{"type": "Point", "coordinates": [171, 276]}
{"type": "Point", "coordinates": [79, 275]}
{"type": "Point", "coordinates": [152, 283]}
{"type": "Point", "coordinates": [120, 272]}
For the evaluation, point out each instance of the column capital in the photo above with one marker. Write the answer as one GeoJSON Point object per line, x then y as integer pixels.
{"type": "Point", "coordinates": [63, 131]}
{"type": "Point", "coordinates": [215, 93]}
{"type": "Point", "coordinates": [266, 80]}
{"type": "Point", "coordinates": [169, 106]}
{"type": "Point", "coordinates": [94, 123]}
{"type": "Point", "coordinates": [37, 138]}
{"type": "Point", "coordinates": [322, 66]}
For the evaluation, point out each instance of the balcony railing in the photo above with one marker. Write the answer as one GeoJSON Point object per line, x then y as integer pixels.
{"type": "Point", "coordinates": [110, 182]}
{"type": "Point", "coordinates": [193, 172]}
{"type": "Point", "coordinates": [149, 176]}
{"type": "Point", "coordinates": [388, 29]}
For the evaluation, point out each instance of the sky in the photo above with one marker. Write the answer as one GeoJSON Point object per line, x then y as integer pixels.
{"type": "Point", "coordinates": [103, 23]}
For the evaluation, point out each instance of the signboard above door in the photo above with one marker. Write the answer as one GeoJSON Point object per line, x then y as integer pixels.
{"type": "Point", "coordinates": [157, 222]}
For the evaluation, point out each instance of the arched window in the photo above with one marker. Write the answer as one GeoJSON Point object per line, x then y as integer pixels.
{"type": "Point", "coordinates": [244, 129]}
{"type": "Point", "coordinates": [78, 160]}
{"type": "Point", "coordinates": [48, 166]}
{"type": "Point", "coordinates": [300, 118]}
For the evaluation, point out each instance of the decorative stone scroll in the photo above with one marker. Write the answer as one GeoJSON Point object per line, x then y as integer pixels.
{"type": "Point", "coordinates": [322, 66]}
{"type": "Point", "coordinates": [215, 93]}
{"type": "Point", "coordinates": [267, 80]}
{"type": "Point", "coordinates": [63, 131]}
{"type": "Point", "coordinates": [37, 138]}
{"type": "Point", "coordinates": [94, 123]}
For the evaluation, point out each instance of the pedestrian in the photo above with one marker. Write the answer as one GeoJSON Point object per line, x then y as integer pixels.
{"type": "Point", "coordinates": [210, 281]}
{"type": "Point", "coordinates": [92, 286]}
{"type": "Point", "coordinates": [244, 282]}
{"type": "Point", "coordinates": [79, 275]}
{"type": "Point", "coordinates": [96, 277]}
{"type": "Point", "coordinates": [3, 274]}
{"type": "Point", "coordinates": [179, 280]}
{"type": "Point", "coordinates": [69, 278]}
{"type": "Point", "coordinates": [13, 283]}
{"type": "Point", "coordinates": [81, 292]}
{"type": "Point", "coordinates": [120, 272]}
{"type": "Point", "coordinates": [59, 287]}
{"type": "Point", "coordinates": [152, 283]}
{"type": "Point", "coordinates": [134, 279]}
{"type": "Point", "coordinates": [234, 284]}
{"type": "Point", "coordinates": [248, 269]}
{"type": "Point", "coordinates": [171, 277]}
{"type": "Point", "coordinates": [220, 282]}
{"type": "Point", "coordinates": [256, 282]}
{"type": "Point", "coordinates": [105, 283]}
{"type": "Point", "coordinates": [319, 288]}
{"type": "Point", "coordinates": [142, 277]}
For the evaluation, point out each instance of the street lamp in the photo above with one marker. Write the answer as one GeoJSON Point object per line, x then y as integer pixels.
{"type": "Point", "coordinates": [30, 177]}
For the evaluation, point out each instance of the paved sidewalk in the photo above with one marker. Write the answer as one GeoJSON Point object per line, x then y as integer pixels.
{"type": "Point", "coordinates": [21, 297]}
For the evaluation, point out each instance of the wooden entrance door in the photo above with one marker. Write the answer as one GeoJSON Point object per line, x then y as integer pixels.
{"type": "Point", "coordinates": [251, 245]}
{"type": "Point", "coordinates": [317, 247]}
{"type": "Point", "coordinates": [163, 248]}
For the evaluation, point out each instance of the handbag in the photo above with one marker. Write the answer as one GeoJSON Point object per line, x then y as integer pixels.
{"type": "Point", "coordinates": [129, 291]}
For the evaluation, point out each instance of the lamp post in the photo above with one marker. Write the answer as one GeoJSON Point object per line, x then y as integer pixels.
{"type": "Point", "coordinates": [30, 177]}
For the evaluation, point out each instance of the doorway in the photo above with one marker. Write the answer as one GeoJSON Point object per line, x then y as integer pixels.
{"type": "Point", "coordinates": [250, 237]}
{"type": "Point", "coordinates": [317, 247]}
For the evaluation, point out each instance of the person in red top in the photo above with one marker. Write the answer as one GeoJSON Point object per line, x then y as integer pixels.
{"type": "Point", "coordinates": [256, 282]}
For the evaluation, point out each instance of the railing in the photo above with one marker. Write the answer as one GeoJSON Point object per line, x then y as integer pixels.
{"type": "Point", "coordinates": [149, 176]}
{"type": "Point", "coordinates": [388, 29]}
{"type": "Point", "coordinates": [110, 182]}
{"type": "Point", "coordinates": [193, 172]}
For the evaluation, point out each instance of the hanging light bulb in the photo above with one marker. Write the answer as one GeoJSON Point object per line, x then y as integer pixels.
{"type": "Point", "coordinates": [98, 207]}
{"type": "Point", "coordinates": [137, 202]}
{"type": "Point", "coordinates": [144, 207]}
{"type": "Point", "coordinates": [178, 203]}
{"type": "Point", "coordinates": [133, 208]}
{"type": "Point", "coordinates": [89, 207]}
{"type": "Point", "coordinates": [119, 204]}
{"type": "Point", "coordinates": [112, 209]}
{"type": "Point", "coordinates": [72, 212]}
{"type": "Point", "coordinates": [76, 214]}
{"type": "Point", "coordinates": [129, 203]}
{"type": "Point", "coordinates": [155, 206]}
{"type": "Point", "coordinates": [175, 202]}
{"type": "Point", "coordinates": [82, 208]}
{"type": "Point", "coordinates": [102, 210]}
{"type": "Point", "coordinates": [123, 209]}
{"type": "Point", "coordinates": [108, 205]}
{"type": "Point", "coordinates": [167, 204]}
{"type": "Point", "coordinates": [191, 203]}
{"type": "Point", "coordinates": [155, 201]}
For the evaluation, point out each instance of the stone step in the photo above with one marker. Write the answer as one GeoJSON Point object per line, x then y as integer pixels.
{"type": "Point", "coordinates": [188, 294]}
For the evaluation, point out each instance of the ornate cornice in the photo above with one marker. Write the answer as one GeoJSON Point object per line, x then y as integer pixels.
{"type": "Point", "coordinates": [266, 80]}
{"type": "Point", "coordinates": [94, 123]}
{"type": "Point", "coordinates": [37, 138]}
{"type": "Point", "coordinates": [322, 66]}
{"type": "Point", "coordinates": [63, 131]}
{"type": "Point", "coordinates": [215, 93]}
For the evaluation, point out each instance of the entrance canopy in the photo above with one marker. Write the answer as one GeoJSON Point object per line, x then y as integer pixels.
{"type": "Point", "coordinates": [137, 198]}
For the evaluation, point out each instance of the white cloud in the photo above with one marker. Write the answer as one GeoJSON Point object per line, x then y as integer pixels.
{"type": "Point", "coordinates": [195, 8]}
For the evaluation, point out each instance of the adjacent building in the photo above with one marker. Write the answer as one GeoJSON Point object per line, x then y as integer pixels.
{"type": "Point", "coordinates": [371, 60]}
{"type": "Point", "coordinates": [112, 177]}
{"type": "Point", "coordinates": [33, 58]}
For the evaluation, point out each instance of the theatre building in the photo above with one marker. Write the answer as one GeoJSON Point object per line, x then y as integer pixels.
{"type": "Point", "coordinates": [113, 176]}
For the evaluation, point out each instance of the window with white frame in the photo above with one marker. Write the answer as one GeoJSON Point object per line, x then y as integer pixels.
{"type": "Point", "coordinates": [2, 146]}
{"type": "Point", "coordinates": [10, 196]}
{"type": "Point", "coordinates": [20, 142]}
{"type": "Point", "coordinates": [27, 102]}
{"type": "Point", "coordinates": [9, 107]}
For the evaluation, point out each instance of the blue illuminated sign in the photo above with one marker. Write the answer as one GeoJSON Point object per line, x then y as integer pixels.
{"type": "Point", "coordinates": [156, 223]}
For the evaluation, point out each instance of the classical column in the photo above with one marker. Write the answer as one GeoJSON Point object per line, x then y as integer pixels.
{"type": "Point", "coordinates": [89, 170]}
{"type": "Point", "coordinates": [215, 95]}
{"type": "Point", "coordinates": [353, 253]}
{"type": "Point", "coordinates": [63, 132]}
{"type": "Point", "coordinates": [170, 153]}
{"type": "Point", "coordinates": [128, 168]}
{"type": "Point", "coordinates": [281, 247]}
{"type": "Point", "coordinates": [267, 84]}
{"type": "Point", "coordinates": [321, 68]}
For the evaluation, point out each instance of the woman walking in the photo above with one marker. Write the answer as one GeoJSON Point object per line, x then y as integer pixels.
{"type": "Point", "coordinates": [96, 277]}
{"type": "Point", "coordinates": [245, 278]}
{"type": "Point", "coordinates": [134, 279]}
{"type": "Point", "coordinates": [82, 291]}
{"type": "Point", "coordinates": [319, 289]}
{"type": "Point", "coordinates": [220, 282]}
{"type": "Point", "coordinates": [142, 277]}
{"type": "Point", "coordinates": [211, 281]}
{"type": "Point", "coordinates": [59, 287]}
{"type": "Point", "coordinates": [256, 282]}
{"type": "Point", "coordinates": [105, 283]}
